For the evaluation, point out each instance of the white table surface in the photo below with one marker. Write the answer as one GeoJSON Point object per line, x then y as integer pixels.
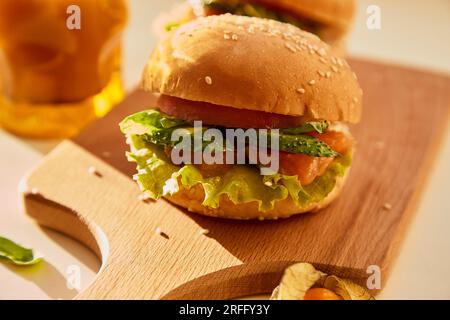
{"type": "Point", "coordinates": [414, 33]}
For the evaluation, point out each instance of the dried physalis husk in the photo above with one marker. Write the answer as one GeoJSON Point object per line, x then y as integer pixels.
{"type": "Point", "coordinates": [297, 279]}
{"type": "Point", "coordinates": [301, 277]}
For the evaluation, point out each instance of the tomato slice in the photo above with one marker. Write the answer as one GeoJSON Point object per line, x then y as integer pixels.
{"type": "Point", "coordinates": [307, 168]}
{"type": "Point", "coordinates": [224, 116]}
{"type": "Point", "coordinates": [338, 141]}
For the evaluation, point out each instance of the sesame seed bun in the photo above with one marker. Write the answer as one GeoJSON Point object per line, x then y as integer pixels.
{"type": "Point", "coordinates": [334, 13]}
{"type": "Point", "coordinates": [254, 64]}
{"type": "Point", "coordinates": [192, 199]}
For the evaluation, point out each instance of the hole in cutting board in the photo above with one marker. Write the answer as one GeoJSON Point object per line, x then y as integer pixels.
{"type": "Point", "coordinates": [64, 226]}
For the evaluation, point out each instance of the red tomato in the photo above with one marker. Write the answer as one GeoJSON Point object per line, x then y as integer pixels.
{"type": "Point", "coordinates": [338, 141]}
{"type": "Point", "coordinates": [224, 116]}
{"type": "Point", "coordinates": [308, 168]}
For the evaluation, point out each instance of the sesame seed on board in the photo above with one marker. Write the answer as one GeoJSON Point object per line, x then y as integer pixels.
{"type": "Point", "coordinates": [161, 233]}
{"type": "Point", "coordinates": [93, 171]}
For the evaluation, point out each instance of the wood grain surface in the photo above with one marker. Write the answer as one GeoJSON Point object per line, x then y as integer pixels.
{"type": "Point", "coordinates": [405, 115]}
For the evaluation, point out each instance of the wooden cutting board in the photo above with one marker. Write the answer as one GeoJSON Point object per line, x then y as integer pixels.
{"type": "Point", "coordinates": [405, 116]}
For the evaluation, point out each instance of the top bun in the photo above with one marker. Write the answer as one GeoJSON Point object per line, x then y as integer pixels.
{"type": "Point", "coordinates": [254, 64]}
{"type": "Point", "coordinates": [337, 13]}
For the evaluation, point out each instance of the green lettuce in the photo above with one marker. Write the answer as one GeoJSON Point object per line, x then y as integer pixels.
{"type": "Point", "coordinates": [158, 177]}
{"type": "Point", "coordinates": [17, 254]}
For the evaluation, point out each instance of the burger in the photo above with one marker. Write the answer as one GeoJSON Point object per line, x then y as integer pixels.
{"type": "Point", "coordinates": [328, 19]}
{"type": "Point", "coordinates": [232, 73]}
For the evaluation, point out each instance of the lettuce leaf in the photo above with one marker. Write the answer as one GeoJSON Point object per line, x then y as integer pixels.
{"type": "Point", "coordinates": [158, 177]}
{"type": "Point", "coordinates": [17, 254]}
{"type": "Point", "coordinates": [317, 126]}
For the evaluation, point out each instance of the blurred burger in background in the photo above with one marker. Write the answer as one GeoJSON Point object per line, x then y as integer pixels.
{"type": "Point", "coordinates": [328, 19]}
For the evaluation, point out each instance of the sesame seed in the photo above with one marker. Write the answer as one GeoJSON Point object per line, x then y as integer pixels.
{"type": "Point", "coordinates": [321, 52]}
{"type": "Point", "coordinates": [204, 231]}
{"type": "Point", "coordinates": [328, 75]}
{"type": "Point", "coordinates": [162, 234]}
{"type": "Point", "coordinates": [312, 82]}
{"type": "Point", "coordinates": [290, 47]}
{"type": "Point", "coordinates": [321, 73]}
{"type": "Point", "coordinates": [208, 80]}
{"type": "Point", "coordinates": [323, 60]}
{"type": "Point", "coordinates": [340, 62]}
{"type": "Point", "coordinates": [234, 37]}
{"type": "Point", "coordinates": [355, 100]}
{"type": "Point", "coordinates": [311, 51]}
{"type": "Point", "coordinates": [301, 90]}
{"type": "Point", "coordinates": [93, 170]}
{"type": "Point", "coordinates": [387, 206]}
{"type": "Point", "coordinates": [334, 69]}
{"type": "Point", "coordinates": [226, 36]}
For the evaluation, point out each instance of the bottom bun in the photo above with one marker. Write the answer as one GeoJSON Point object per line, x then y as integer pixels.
{"type": "Point", "coordinates": [192, 199]}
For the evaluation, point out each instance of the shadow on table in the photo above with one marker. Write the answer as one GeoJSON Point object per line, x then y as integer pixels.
{"type": "Point", "coordinates": [47, 278]}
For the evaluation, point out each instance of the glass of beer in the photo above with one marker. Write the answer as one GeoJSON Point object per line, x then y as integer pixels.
{"type": "Point", "coordinates": [59, 64]}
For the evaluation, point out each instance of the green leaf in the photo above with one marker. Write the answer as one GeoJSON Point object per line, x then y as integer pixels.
{"type": "Point", "coordinates": [17, 254]}
{"type": "Point", "coordinates": [159, 177]}
{"type": "Point", "coordinates": [317, 126]}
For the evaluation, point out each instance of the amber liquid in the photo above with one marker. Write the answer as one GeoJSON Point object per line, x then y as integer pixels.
{"type": "Point", "coordinates": [53, 80]}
